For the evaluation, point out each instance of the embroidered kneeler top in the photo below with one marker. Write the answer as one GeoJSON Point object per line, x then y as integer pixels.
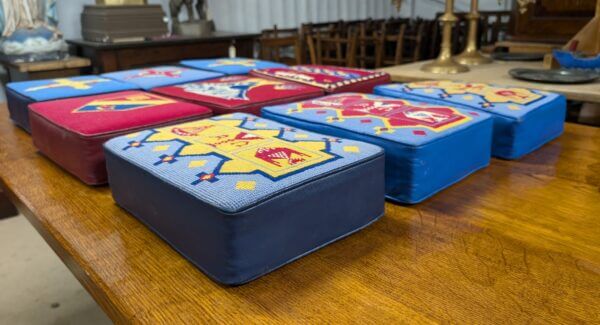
{"type": "Point", "coordinates": [329, 78]}
{"type": "Point", "coordinates": [20, 94]}
{"type": "Point", "coordinates": [240, 196]}
{"type": "Point", "coordinates": [524, 119]}
{"type": "Point", "coordinates": [161, 76]}
{"type": "Point", "coordinates": [427, 147]}
{"type": "Point", "coordinates": [71, 131]}
{"type": "Point", "coordinates": [231, 66]}
{"type": "Point", "coordinates": [242, 94]}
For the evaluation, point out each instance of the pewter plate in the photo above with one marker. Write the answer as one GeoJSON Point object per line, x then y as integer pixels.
{"type": "Point", "coordinates": [559, 76]}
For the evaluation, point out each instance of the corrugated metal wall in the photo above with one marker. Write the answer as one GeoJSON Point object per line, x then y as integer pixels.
{"type": "Point", "coordinates": [255, 15]}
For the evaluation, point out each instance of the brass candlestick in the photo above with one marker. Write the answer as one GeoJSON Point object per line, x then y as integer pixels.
{"type": "Point", "coordinates": [445, 64]}
{"type": "Point", "coordinates": [471, 54]}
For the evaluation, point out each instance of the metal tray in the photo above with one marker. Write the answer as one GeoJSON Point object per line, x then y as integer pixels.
{"type": "Point", "coordinates": [560, 76]}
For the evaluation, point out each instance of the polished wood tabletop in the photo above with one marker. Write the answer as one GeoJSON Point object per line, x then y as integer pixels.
{"type": "Point", "coordinates": [516, 242]}
{"type": "Point", "coordinates": [497, 73]}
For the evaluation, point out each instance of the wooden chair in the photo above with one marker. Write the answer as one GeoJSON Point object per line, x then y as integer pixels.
{"type": "Point", "coordinates": [393, 34]}
{"type": "Point", "coordinates": [370, 43]}
{"type": "Point", "coordinates": [334, 49]}
{"type": "Point", "coordinates": [311, 29]}
{"type": "Point", "coordinates": [413, 41]}
{"type": "Point", "coordinates": [460, 33]}
{"type": "Point", "coordinates": [494, 26]}
{"type": "Point", "coordinates": [432, 39]}
{"type": "Point", "coordinates": [281, 45]}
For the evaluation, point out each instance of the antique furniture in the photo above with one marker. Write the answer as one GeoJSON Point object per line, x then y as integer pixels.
{"type": "Point", "coordinates": [445, 63]}
{"type": "Point", "coordinates": [337, 49]}
{"type": "Point", "coordinates": [517, 240]}
{"type": "Point", "coordinates": [393, 36]}
{"type": "Point", "coordinates": [551, 21]}
{"type": "Point", "coordinates": [369, 44]}
{"type": "Point", "coordinates": [122, 56]}
{"type": "Point", "coordinates": [526, 47]}
{"type": "Point", "coordinates": [68, 67]}
{"type": "Point", "coordinates": [126, 23]}
{"type": "Point", "coordinates": [497, 73]}
{"type": "Point", "coordinates": [282, 45]}
{"type": "Point", "coordinates": [494, 27]}
{"type": "Point", "coordinates": [413, 41]}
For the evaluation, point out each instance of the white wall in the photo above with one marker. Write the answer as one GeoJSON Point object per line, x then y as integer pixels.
{"type": "Point", "coordinates": [255, 15]}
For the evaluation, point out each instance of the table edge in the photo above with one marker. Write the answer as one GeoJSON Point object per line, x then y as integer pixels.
{"type": "Point", "coordinates": [161, 42]}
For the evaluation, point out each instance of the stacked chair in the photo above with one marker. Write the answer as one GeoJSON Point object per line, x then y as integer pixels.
{"type": "Point", "coordinates": [282, 45]}
{"type": "Point", "coordinates": [374, 43]}
{"type": "Point", "coordinates": [243, 165]}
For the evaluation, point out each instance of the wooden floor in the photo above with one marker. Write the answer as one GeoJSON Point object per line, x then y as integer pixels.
{"type": "Point", "coordinates": [516, 242]}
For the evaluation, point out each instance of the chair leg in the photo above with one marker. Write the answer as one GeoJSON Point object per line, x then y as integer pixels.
{"type": "Point", "coordinates": [351, 58]}
{"type": "Point", "coordinates": [400, 46]}
{"type": "Point", "coordinates": [298, 51]}
{"type": "Point", "coordinates": [338, 49]}
{"type": "Point", "coordinates": [319, 58]}
{"type": "Point", "coordinates": [311, 49]}
{"type": "Point", "coordinates": [418, 43]}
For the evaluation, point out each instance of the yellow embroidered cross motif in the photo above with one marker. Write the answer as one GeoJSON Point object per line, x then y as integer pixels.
{"type": "Point", "coordinates": [491, 94]}
{"type": "Point", "coordinates": [245, 185]}
{"type": "Point", "coordinates": [63, 82]}
{"type": "Point", "coordinates": [244, 151]}
{"type": "Point", "coordinates": [197, 163]}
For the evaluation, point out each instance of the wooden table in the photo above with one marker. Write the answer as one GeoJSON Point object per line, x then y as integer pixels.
{"type": "Point", "coordinates": [517, 242]}
{"type": "Point", "coordinates": [497, 72]}
{"type": "Point", "coordinates": [72, 66]}
{"type": "Point", "coordinates": [528, 47]}
{"type": "Point", "coordinates": [107, 57]}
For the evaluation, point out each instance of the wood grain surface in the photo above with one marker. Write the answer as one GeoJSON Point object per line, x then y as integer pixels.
{"type": "Point", "coordinates": [518, 242]}
{"type": "Point", "coordinates": [497, 73]}
{"type": "Point", "coordinates": [68, 63]}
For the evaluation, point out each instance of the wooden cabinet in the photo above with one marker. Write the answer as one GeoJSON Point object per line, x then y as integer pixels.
{"type": "Point", "coordinates": [554, 21]}
{"type": "Point", "coordinates": [108, 57]}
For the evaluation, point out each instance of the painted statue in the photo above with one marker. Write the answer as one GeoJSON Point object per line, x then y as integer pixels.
{"type": "Point", "coordinates": [201, 9]}
{"type": "Point", "coordinates": [192, 27]}
{"type": "Point", "coordinates": [29, 29]}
